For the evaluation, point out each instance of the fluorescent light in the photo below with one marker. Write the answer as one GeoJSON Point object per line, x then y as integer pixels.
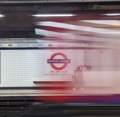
{"type": "Point", "coordinates": [1, 15]}
{"type": "Point", "coordinates": [112, 14]}
{"type": "Point", "coordinates": [53, 15]}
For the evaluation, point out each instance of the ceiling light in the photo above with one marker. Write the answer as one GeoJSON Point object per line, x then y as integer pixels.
{"type": "Point", "coordinates": [53, 15]}
{"type": "Point", "coordinates": [112, 14]}
{"type": "Point", "coordinates": [1, 15]}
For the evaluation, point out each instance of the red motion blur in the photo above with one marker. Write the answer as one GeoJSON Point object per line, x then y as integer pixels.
{"type": "Point", "coordinates": [61, 86]}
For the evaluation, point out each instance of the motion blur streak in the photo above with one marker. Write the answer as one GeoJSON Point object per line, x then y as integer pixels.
{"type": "Point", "coordinates": [74, 37]}
{"type": "Point", "coordinates": [112, 14]}
{"type": "Point", "coordinates": [82, 28]}
{"type": "Point", "coordinates": [99, 56]}
{"type": "Point", "coordinates": [106, 22]}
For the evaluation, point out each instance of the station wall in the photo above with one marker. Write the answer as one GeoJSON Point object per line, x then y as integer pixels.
{"type": "Point", "coordinates": [22, 67]}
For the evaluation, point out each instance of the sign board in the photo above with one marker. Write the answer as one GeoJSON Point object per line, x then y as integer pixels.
{"type": "Point", "coordinates": [58, 63]}
{"type": "Point", "coordinates": [53, 45]}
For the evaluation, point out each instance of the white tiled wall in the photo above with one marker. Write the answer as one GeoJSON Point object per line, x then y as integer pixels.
{"type": "Point", "coordinates": [102, 73]}
{"type": "Point", "coordinates": [22, 67]}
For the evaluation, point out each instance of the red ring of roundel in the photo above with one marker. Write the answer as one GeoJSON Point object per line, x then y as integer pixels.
{"type": "Point", "coordinates": [58, 68]}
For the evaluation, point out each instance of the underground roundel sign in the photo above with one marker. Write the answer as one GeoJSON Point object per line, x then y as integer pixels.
{"type": "Point", "coordinates": [52, 61]}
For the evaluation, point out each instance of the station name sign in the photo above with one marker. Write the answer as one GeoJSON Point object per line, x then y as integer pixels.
{"type": "Point", "coordinates": [58, 61]}
{"type": "Point", "coordinates": [51, 45]}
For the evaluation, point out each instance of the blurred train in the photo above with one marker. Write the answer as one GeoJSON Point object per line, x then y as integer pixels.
{"type": "Point", "coordinates": [99, 32]}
